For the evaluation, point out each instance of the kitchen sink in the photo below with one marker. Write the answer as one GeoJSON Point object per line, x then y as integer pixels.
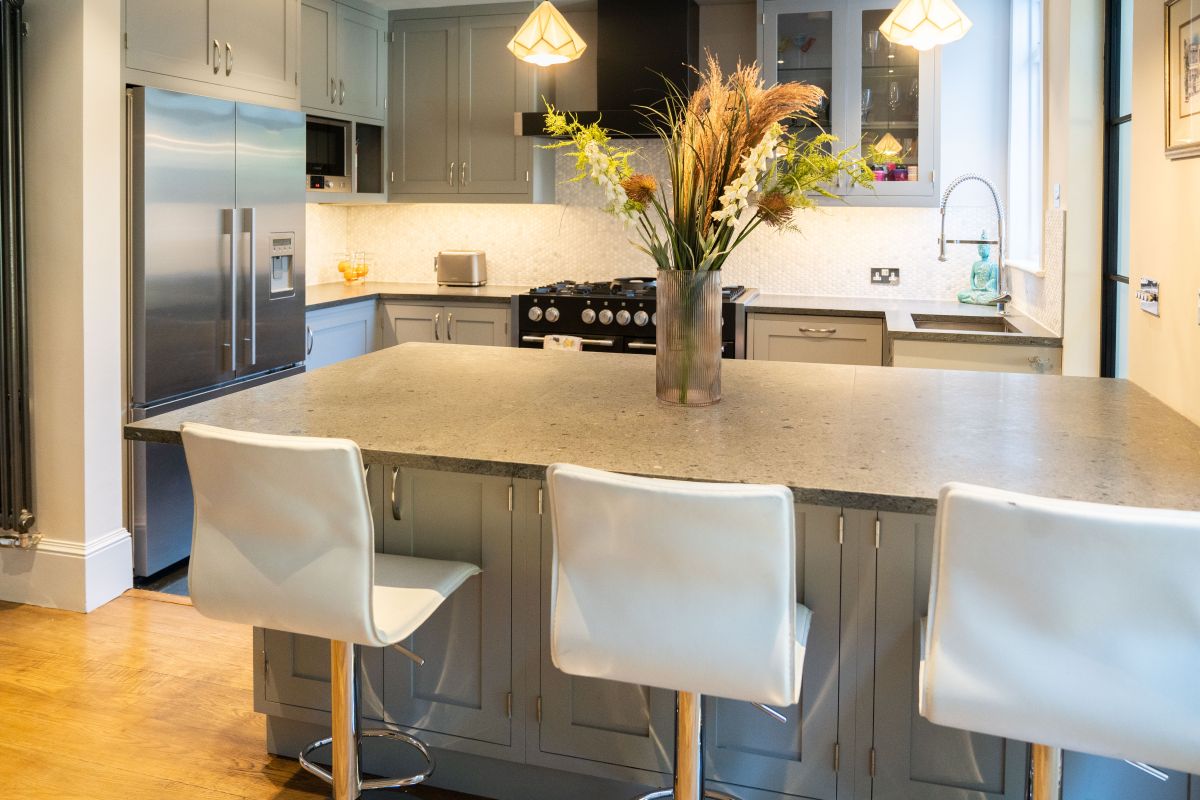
{"type": "Point", "coordinates": [975, 324]}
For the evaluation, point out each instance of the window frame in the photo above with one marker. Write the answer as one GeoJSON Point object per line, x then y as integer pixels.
{"type": "Point", "coordinates": [1111, 256]}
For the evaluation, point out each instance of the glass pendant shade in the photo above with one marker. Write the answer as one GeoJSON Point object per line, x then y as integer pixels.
{"type": "Point", "coordinates": [547, 38]}
{"type": "Point", "coordinates": [924, 24]}
{"type": "Point", "coordinates": [888, 145]}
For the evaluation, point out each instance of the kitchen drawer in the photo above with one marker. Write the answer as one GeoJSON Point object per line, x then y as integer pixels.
{"type": "Point", "coordinates": [820, 340]}
{"type": "Point", "coordinates": [977, 357]}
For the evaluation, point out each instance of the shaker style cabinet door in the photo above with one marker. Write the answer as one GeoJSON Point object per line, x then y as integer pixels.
{"type": "Point", "coordinates": [1087, 777]}
{"type": "Point", "coordinates": [493, 85]}
{"type": "Point", "coordinates": [463, 688]}
{"type": "Point", "coordinates": [475, 324]}
{"type": "Point", "coordinates": [259, 42]}
{"type": "Point", "coordinates": [362, 63]}
{"type": "Point", "coordinates": [913, 757]}
{"type": "Point", "coordinates": [818, 340]}
{"type": "Point", "coordinates": [423, 83]}
{"type": "Point", "coordinates": [412, 323]}
{"type": "Point", "coordinates": [170, 37]}
{"type": "Point", "coordinates": [336, 334]}
{"type": "Point", "coordinates": [318, 48]}
{"type": "Point", "coordinates": [745, 748]}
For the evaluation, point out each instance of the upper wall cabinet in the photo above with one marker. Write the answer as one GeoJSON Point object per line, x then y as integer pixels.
{"type": "Point", "coordinates": [224, 47]}
{"type": "Point", "coordinates": [454, 89]}
{"type": "Point", "coordinates": [882, 95]}
{"type": "Point", "coordinates": [344, 63]}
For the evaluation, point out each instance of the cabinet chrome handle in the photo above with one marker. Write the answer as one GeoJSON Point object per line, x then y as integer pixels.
{"type": "Point", "coordinates": [228, 58]}
{"type": "Point", "coordinates": [332, 90]}
{"type": "Point", "coordinates": [308, 335]}
{"type": "Point", "coordinates": [450, 326]}
{"type": "Point", "coordinates": [216, 56]}
{"type": "Point", "coordinates": [341, 92]}
{"type": "Point", "coordinates": [823, 331]}
{"type": "Point", "coordinates": [462, 172]}
{"type": "Point", "coordinates": [437, 320]}
{"type": "Point", "coordinates": [451, 173]}
{"type": "Point", "coordinates": [641, 345]}
{"type": "Point", "coordinates": [395, 494]}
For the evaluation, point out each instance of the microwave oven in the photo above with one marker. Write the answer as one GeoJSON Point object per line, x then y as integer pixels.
{"type": "Point", "coordinates": [329, 155]}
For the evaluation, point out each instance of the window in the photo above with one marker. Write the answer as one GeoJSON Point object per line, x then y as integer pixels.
{"type": "Point", "coordinates": [1025, 136]}
{"type": "Point", "coordinates": [1114, 333]}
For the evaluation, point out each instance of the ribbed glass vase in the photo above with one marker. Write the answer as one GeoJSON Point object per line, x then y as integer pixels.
{"type": "Point", "coordinates": [689, 337]}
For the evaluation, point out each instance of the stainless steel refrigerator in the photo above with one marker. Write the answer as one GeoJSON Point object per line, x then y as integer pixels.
{"type": "Point", "coordinates": [216, 279]}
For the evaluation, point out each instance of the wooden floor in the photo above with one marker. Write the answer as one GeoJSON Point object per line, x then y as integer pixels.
{"type": "Point", "coordinates": [143, 699]}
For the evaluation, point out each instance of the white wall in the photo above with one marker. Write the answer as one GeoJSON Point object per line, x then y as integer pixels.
{"type": "Point", "coordinates": [74, 109]}
{"type": "Point", "coordinates": [1164, 351]}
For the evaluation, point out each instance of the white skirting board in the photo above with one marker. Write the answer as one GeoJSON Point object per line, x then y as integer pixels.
{"type": "Point", "coordinates": [69, 575]}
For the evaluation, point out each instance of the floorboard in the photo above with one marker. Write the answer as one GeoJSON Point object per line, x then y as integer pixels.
{"type": "Point", "coordinates": [140, 699]}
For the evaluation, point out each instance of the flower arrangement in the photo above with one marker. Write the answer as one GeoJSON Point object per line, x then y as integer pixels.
{"type": "Point", "coordinates": [729, 149]}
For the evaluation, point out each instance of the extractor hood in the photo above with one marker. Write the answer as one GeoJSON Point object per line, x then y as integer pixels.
{"type": "Point", "coordinates": [637, 44]}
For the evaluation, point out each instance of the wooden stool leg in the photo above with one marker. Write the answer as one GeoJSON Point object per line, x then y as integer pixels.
{"type": "Point", "coordinates": [1047, 772]}
{"type": "Point", "coordinates": [343, 680]}
{"type": "Point", "coordinates": [689, 746]}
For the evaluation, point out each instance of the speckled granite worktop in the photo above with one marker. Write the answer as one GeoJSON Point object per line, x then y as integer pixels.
{"type": "Point", "coordinates": [324, 295]}
{"type": "Point", "coordinates": [897, 316]}
{"type": "Point", "coordinates": [861, 437]}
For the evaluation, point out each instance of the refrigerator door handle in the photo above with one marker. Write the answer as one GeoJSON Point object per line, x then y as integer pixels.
{"type": "Point", "coordinates": [231, 270]}
{"type": "Point", "coordinates": [249, 235]}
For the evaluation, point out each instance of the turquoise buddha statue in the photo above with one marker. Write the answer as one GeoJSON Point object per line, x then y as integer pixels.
{"type": "Point", "coordinates": [985, 279]}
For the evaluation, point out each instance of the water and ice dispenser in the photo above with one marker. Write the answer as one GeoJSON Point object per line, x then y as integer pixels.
{"type": "Point", "coordinates": [283, 262]}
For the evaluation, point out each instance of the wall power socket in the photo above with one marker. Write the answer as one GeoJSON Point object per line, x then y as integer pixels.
{"type": "Point", "coordinates": [885, 276]}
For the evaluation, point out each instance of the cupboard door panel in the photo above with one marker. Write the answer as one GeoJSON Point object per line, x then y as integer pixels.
{"type": "Point", "coordinates": [477, 325]}
{"type": "Point", "coordinates": [914, 757]}
{"type": "Point", "coordinates": [494, 85]}
{"type": "Point", "coordinates": [462, 689]}
{"type": "Point", "coordinates": [817, 340]}
{"type": "Point", "coordinates": [747, 748]}
{"type": "Point", "coordinates": [413, 323]}
{"type": "Point", "coordinates": [318, 44]}
{"type": "Point", "coordinates": [362, 63]}
{"type": "Point", "coordinates": [423, 81]}
{"type": "Point", "coordinates": [170, 37]}
{"type": "Point", "coordinates": [259, 42]}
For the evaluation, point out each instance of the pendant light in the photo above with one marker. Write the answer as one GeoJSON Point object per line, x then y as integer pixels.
{"type": "Point", "coordinates": [547, 38]}
{"type": "Point", "coordinates": [889, 146]}
{"type": "Point", "coordinates": [924, 24]}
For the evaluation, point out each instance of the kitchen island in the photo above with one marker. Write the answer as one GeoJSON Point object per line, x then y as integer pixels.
{"type": "Point", "coordinates": [457, 441]}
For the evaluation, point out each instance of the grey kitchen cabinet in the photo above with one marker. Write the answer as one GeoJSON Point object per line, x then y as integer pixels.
{"type": "Point", "coordinates": [294, 669]}
{"type": "Point", "coordinates": [464, 689]}
{"type": "Point", "coordinates": [341, 332]}
{"type": "Point", "coordinates": [476, 324]}
{"type": "Point", "coordinates": [815, 339]}
{"type": "Point", "coordinates": [454, 89]}
{"type": "Point", "coordinates": [747, 749]}
{"type": "Point", "coordinates": [239, 45]}
{"type": "Point", "coordinates": [1087, 777]}
{"type": "Point", "coordinates": [344, 67]}
{"type": "Point", "coordinates": [907, 756]}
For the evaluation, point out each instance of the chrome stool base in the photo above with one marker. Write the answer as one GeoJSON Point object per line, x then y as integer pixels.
{"type": "Point", "coordinates": [376, 783]}
{"type": "Point", "coordinates": [662, 794]}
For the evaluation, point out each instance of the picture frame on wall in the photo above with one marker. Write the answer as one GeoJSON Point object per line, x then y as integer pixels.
{"type": "Point", "coordinates": [1182, 80]}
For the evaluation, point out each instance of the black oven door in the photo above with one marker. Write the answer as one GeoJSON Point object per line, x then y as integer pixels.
{"type": "Point", "coordinates": [648, 347]}
{"type": "Point", "coordinates": [594, 344]}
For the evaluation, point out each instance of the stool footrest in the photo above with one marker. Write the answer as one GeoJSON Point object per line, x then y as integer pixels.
{"type": "Point", "coordinates": [374, 783]}
{"type": "Point", "coordinates": [663, 794]}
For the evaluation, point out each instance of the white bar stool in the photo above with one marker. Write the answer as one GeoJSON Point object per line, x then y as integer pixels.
{"type": "Point", "coordinates": [283, 539]}
{"type": "Point", "coordinates": [1074, 625]}
{"type": "Point", "coordinates": [689, 587]}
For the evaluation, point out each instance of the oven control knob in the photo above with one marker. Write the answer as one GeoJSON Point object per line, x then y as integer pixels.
{"type": "Point", "coordinates": [589, 316]}
{"type": "Point", "coordinates": [535, 313]}
{"type": "Point", "coordinates": [605, 317]}
{"type": "Point", "coordinates": [641, 318]}
{"type": "Point", "coordinates": [654, 318]}
{"type": "Point", "coordinates": [623, 317]}
{"type": "Point", "coordinates": [552, 314]}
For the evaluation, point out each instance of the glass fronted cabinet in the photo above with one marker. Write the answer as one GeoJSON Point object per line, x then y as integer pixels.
{"type": "Point", "coordinates": [880, 96]}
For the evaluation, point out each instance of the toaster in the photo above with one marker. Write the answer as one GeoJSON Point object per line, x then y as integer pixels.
{"type": "Point", "coordinates": [461, 268]}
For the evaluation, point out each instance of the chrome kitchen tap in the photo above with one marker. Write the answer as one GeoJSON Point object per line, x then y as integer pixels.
{"type": "Point", "coordinates": [1002, 287]}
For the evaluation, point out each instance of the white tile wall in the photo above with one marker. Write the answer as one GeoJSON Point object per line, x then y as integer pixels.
{"type": "Point", "coordinates": [831, 254]}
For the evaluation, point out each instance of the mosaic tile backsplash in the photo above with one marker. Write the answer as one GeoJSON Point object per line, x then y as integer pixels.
{"type": "Point", "coordinates": [831, 254]}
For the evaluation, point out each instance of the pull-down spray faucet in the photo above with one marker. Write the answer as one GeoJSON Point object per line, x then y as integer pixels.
{"type": "Point", "coordinates": [1002, 287]}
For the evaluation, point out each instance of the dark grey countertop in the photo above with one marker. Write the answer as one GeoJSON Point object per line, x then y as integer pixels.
{"type": "Point", "coordinates": [898, 314]}
{"type": "Point", "coordinates": [860, 437]}
{"type": "Point", "coordinates": [325, 295]}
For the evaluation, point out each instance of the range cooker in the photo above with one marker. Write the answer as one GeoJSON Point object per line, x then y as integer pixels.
{"type": "Point", "coordinates": [617, 316]}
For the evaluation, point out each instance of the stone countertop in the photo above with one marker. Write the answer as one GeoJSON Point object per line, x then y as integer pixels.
{"type": "Point", "coordinates": [326, 295]}
{"type": "Point", "coordinates": [860, 437]}
{"type": "Point", "coordinates": [898, 314]}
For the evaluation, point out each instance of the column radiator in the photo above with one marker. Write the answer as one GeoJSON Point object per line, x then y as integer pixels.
{"type": "Point", "coordinates": [16, 477]}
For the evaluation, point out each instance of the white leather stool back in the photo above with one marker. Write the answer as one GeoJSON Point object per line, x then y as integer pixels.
{"type": "Point", "coordinates": [283, 536]}
{"type": "Point", "coordinates": [683, 586]}
{"type": "Point", "coordinates": [1072, 625]}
